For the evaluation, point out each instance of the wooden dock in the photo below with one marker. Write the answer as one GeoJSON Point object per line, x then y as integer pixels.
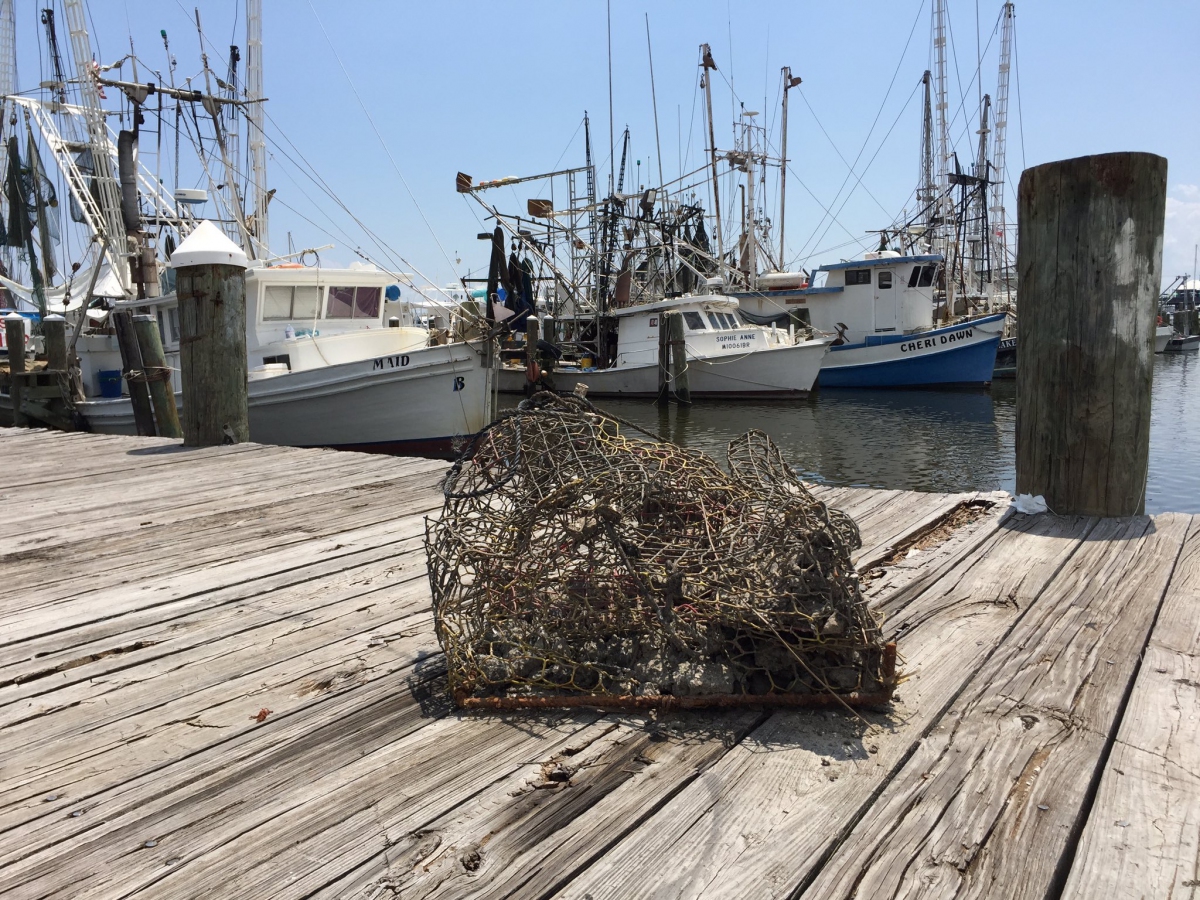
{"type": "Point", "coordinates": [219, 679]}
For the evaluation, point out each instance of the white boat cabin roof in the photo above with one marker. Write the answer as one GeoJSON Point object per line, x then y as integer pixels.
{"type": "Point", "coordinates": [690, 301]}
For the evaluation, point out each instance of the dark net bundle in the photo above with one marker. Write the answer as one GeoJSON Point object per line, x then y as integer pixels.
{"type": "Point", "coordinates": [573, 565]}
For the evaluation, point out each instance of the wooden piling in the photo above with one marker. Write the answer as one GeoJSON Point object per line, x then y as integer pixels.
{"type": "Point", "coordinates": [664, 360]}
{"type": "Point", "coordinates": [54, 339]}
{"type": "Point", "coordinates": [1090, 265]}
{"type": "Point", "coordinates": [134, 372]}
{"type": "Point", "coordinates": [532, 330]}
{"type": "Point", "coordinates": [14, 336]}
{"type": "Point", "coordinates": [679, 365]}
{"type": "Point", "coordinates": [158, 376]}
{"type": "Point", "coordinates": [211, 287]}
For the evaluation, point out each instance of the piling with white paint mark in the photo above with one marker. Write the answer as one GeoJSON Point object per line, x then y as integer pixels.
{"type": "Point", "coordinates": [1089, 267]}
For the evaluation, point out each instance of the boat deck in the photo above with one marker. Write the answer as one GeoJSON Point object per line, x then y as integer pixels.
{"type": "Point", "coordinates": [219, 678]}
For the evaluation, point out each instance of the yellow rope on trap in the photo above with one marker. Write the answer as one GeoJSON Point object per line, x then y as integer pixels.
{"type": "Point", "coordinates": [573, 565]}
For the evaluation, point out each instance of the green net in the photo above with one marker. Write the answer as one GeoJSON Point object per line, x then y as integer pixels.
{"type": "Point", "coordinates": [575, 565]}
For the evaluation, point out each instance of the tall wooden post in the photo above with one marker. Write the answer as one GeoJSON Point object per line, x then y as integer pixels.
{"type": "Point", "coordinates": [211, 287]}
{"type": "Point", "coordinates": [158, 376]}
{"type": "Point", "coordinates": [135, 372]}
{"type": "Point", "coordinates": [54, 338]}
{"type": "Point", "coordinates": [1090, 266]}
{"type": "Point", "coordinates": [14, 336]}
{"type": "Point", "coordinates": [664, 360]}
{"type": "Point", "coordinates": [679, 366]}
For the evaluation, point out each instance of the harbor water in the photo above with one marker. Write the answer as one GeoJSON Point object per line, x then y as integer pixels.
{"type": "Point", "coordinates": [929, 440]}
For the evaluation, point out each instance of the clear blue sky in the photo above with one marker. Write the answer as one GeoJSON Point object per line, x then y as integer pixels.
{"type": "Point", "coordinates": [499, 88]}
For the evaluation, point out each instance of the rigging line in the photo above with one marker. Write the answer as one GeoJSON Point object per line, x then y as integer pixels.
{"type": "Point", "coordinates": [568, 147]}
{"type": "Point", "coordinates": [878, 149]}
{"type": "Point", "coordinates": [379, 136]}
{"type": "Point", "coordinates": [966, 126]}
{"type": "Point", "coordinates": [867, 139]}
{"type": "Point", "coordinates": [957, 76]}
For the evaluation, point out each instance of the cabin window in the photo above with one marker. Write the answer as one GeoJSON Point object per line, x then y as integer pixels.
{"type": "Point", "coordinates": [352, 303]}
{"type": "Point", "coordinates": [914, 277]}
{"type": "Point", "coordinates": [291, 302]}
{"type": "Point", "coordinates": [858, 276]}
{"type": "Point", "coordinates": [927, 276]}
{"type": "Point", "coordinates": [714, 321]}
{"type": "Point", "coordinates": [730, 321]}
{"type": "Point", "coordinates": [693, 320]}
{"type": "Point", "coordinates": [885, 281]}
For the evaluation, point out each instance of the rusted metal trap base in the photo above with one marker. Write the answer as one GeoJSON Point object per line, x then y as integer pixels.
{"type": "Point", "coordinates": [665, 702]}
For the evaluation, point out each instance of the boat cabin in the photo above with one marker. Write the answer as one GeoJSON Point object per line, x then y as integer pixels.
{"type": "Point", "coordinates": [883, 293]}
{"type": "Point", "coordinates": [713, 326]}
{"type": "Point", "coordinates": [308, 318]}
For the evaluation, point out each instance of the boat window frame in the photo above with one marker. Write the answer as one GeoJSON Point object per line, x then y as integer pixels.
{"type": "Point", "coordinates": [292, 316]}
{"type": "Point", "coordinates": [353, 302]}
{"type": "Point", "coordinates": [880, 282]}
{"type": "Point", "coordinates": [856, 277]}
{"type": "Point", "coordinates": [691, 317]}
{"type": "Point", "coordinates": [928, 274]}
{"type": "Point", "coordinates": [714, 320]}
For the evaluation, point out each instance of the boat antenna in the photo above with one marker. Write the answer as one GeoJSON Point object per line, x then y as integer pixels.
{"type": "Point", "coordinates": [654, 100]}
{"type": "Point", "coordinates": [612, 153]}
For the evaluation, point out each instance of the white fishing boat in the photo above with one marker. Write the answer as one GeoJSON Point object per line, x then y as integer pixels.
{"type": "Point", "coordinates": [726, 356]}
{"type": "Point", "coordinates": [332, 362]}
{"type": "Point", "coordinates": [881, 309]}
{"type": "Point", "coordinates": [335, 356]}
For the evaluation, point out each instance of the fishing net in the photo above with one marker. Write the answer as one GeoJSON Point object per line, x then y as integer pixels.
{"type": "Point", "coordinates": [574, 565]}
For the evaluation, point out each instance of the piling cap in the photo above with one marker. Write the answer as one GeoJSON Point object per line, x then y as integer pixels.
{"type": "Point", "coordinates": [207, 245]}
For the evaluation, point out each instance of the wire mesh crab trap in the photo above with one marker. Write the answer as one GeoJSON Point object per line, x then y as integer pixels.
{"type": "Point", "coordinates": [573, 565]}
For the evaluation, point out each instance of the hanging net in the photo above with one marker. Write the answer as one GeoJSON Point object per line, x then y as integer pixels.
{"type": "Point", "coordinates": [575, 565]}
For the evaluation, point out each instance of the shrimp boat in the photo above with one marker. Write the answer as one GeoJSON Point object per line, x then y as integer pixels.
{"type": "Point", "coordinates": [335, 357]}
{"type": "Point", "coordinates": [332, 362]}
{"type": "Point", "coordinates": [726, 355]}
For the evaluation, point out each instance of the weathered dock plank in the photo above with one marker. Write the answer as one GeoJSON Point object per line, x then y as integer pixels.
{"type": "Point", "coordinates": [998, 790]}
{"type": "Point", "coordinates": [1142, 838]}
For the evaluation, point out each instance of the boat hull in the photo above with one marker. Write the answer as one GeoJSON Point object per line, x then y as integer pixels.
{"type": "Point", "coordinates": [1162, 337]}
{"type": "Point", "coordinates": [1183, 343]}
{"type": "Point", "coordinates": [957, 355]}
{"type": "Point", "coordinates": [779, 373]}
{"type": "Point", "coordinates": [425, 403]}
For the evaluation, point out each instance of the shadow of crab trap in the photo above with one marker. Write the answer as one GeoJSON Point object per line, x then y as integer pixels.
{"type": "Point", "coordinates": [574, 565]}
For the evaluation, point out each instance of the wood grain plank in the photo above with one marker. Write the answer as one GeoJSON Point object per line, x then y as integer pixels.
{"type": "Point", "coordinates": [1142, 838]}
{"type": "Point", "coordinates": [996, 794]}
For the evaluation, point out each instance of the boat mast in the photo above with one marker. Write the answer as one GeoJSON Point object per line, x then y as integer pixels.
{"type": "Point", "coordinates": [999, 231]}
{"type": "Point", "coordinates": [927, 191]}
{"type": "Point", "coordinates": [8, 87]}
{"type": "Point", "coordinates": [982, 232]}
{"type": "Point", "coordinates": [706, 63]}
{"type": "Point", "coordinates": [750, 234]}
{"type": "Point", "coordinates": [945, 200]}
{"type": "Point", "coordinates": [103, 178]}
{"type": "Point", "coordinates": [788, 83]}
{"type": "Point", "coordinates": [254, 115]}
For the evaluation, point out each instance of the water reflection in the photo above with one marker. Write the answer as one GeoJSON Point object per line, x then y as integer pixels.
{"type": "Point", "coordinates": [919, 440]}
{"type": "Point", "coordinates": [929, 440]}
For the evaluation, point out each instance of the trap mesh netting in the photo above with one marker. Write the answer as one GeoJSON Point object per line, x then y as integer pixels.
{"type": "Point", "coordinates": [573, 565]}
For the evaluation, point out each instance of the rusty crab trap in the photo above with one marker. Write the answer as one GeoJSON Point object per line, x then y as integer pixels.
{"type": "Point", "coordinates": [575, 566]}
